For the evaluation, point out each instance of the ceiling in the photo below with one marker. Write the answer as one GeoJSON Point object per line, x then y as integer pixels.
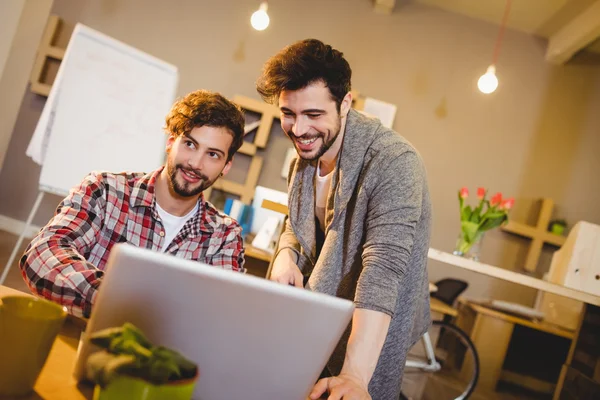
{"type": "Point", "coordinates": [542, 18]}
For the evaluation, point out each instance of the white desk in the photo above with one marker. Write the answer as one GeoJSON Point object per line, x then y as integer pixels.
{"type": "Point", "coordinates": [487, 269]}
{"type": "Point", "coordinates": [512, 276]}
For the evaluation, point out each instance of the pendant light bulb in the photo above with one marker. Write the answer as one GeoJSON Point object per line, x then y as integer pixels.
{"type": "Point", "coordinates": [260, 18]}
{"type": "Point", "coordinates": [488, 82]}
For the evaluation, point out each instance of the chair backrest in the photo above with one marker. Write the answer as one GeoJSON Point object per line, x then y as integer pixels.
{"type": "Point", "coordinates": [449, 289]}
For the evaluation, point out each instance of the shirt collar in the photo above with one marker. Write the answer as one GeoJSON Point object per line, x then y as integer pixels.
{"type": "Point", "coordinates": [142, 194]}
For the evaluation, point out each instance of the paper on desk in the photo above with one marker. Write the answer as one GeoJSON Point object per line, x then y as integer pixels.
{"type": "Point", "coordinates": [386, 112]}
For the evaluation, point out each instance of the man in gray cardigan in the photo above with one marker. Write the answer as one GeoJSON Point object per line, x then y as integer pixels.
{"type": "Point", "coordinates": [359, 219]}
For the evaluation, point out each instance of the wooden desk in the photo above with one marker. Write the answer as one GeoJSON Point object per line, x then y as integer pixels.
{"type": "Point", "coordinates": [491, 332]}
{"type": "Point", "coordinates": [259, 254]}
{"type": "Point", "coordinates": [56, 380]}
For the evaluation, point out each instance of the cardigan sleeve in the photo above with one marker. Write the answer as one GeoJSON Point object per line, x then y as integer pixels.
{"type": "Point", "coordinates": [394, 209]}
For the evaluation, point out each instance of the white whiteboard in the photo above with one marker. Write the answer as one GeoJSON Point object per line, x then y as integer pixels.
{"type": "Point", "coordinates": [105, 111]}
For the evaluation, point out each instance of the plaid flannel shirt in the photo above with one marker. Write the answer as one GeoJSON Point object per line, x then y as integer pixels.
{"type": "Point", "coordinates": [65, 261]}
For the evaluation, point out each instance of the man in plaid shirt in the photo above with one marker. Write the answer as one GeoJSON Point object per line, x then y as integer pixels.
{"type": "Point", "coordinates": [163, 210]}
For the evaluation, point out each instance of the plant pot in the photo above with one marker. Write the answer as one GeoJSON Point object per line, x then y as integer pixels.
{"type": "Point", "coordinates": [129, 388]}
{"type": "Point", "coordinates": [557, 229]}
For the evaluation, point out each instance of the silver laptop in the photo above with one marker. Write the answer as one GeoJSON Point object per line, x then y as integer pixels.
{"type": "Point", "coordinates": [252, 339]}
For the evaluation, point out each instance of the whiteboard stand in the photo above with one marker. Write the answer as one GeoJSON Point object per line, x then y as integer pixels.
{"type": "Point", "coordinates": [128, 92]}
{"type": "Point", "coordinates": [15, 251]}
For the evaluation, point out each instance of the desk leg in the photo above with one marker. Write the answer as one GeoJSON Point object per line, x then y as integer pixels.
{"type": "Point", "coordinates": [491, 337]}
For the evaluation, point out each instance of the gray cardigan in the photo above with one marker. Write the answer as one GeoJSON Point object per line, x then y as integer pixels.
{"type": "Point", "coordinates": [377, 227]}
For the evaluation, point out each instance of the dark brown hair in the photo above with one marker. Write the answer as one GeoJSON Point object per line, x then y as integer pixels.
{"type": "Point", "coordinates": [203, 107]}
{"type": "Point", "coordinates": [303, 63]}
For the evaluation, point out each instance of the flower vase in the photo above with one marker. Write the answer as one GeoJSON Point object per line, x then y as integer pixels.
{"type": "Point", "coordinates": [468, 249]}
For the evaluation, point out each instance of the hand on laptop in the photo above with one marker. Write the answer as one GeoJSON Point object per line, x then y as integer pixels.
{"type": "Point", "coordinates": [285, 269]}
{"type": "Point", "coordinates": [341, 387]}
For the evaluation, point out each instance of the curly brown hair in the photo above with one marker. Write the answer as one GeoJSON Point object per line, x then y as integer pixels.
{"type": "Point", "coordinates": [203, 107]}
{"type": "Point", "coordinates": [302, 63]}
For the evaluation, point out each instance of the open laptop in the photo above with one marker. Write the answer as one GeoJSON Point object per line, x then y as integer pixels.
{"type": "Point", "coordinates": [252, 339]}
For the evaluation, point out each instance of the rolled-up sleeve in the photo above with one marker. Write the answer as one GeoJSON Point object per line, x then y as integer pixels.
{"type": "Point", "coordinates": [54, 265]}
{"type": "Point", "coordinates": [231, 254]}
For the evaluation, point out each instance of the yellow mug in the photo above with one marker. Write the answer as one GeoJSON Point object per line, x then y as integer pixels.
{"type": "Point", "coordinates": [28, 327]}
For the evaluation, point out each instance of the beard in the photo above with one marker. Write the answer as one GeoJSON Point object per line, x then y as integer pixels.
{"type": "Point", "coordinates": [187, 189]}
{"type": "Point", "coordinates": [325, 144]}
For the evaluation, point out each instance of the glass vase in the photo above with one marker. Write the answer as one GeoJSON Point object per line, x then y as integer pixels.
{"type": "Point", "coordinates": [467, 249]}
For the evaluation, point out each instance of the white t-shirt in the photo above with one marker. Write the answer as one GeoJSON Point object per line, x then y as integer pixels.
{"type": "Point", "coordinates": [322, 185]}
{"type": "Point", "coordinates": [172, 223]}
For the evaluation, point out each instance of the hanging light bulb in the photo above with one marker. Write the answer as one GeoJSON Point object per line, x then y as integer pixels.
{"type": "Point", "coordinates": [488, 82]}
{"type": "Point", "coordinates": [260, 18]}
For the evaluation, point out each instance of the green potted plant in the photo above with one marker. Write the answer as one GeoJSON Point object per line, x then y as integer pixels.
{"type": "Point", "coordinates": [558, 226]}
{"type": "Point", "coordinates": [130, 367]}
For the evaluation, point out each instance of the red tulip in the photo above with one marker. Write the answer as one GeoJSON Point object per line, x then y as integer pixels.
{"type": "Point", "coordinates": [480, 193]}
{"type": "Point", "coordinates": [497, 199]}
{"type": "Point", "coordinates": [464, 192]}
{"type": "Point", "coordinates": [508, 203]}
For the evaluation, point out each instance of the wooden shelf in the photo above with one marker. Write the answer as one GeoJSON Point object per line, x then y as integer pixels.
{"type": "Point", "coordinates": [271, 205]}
{"type": "Point", "coordinates": [538, 234]}
{"type": "Point", "coordinates": [511, 276]}
{"type": "Point", "coordinates": [530, 231]}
